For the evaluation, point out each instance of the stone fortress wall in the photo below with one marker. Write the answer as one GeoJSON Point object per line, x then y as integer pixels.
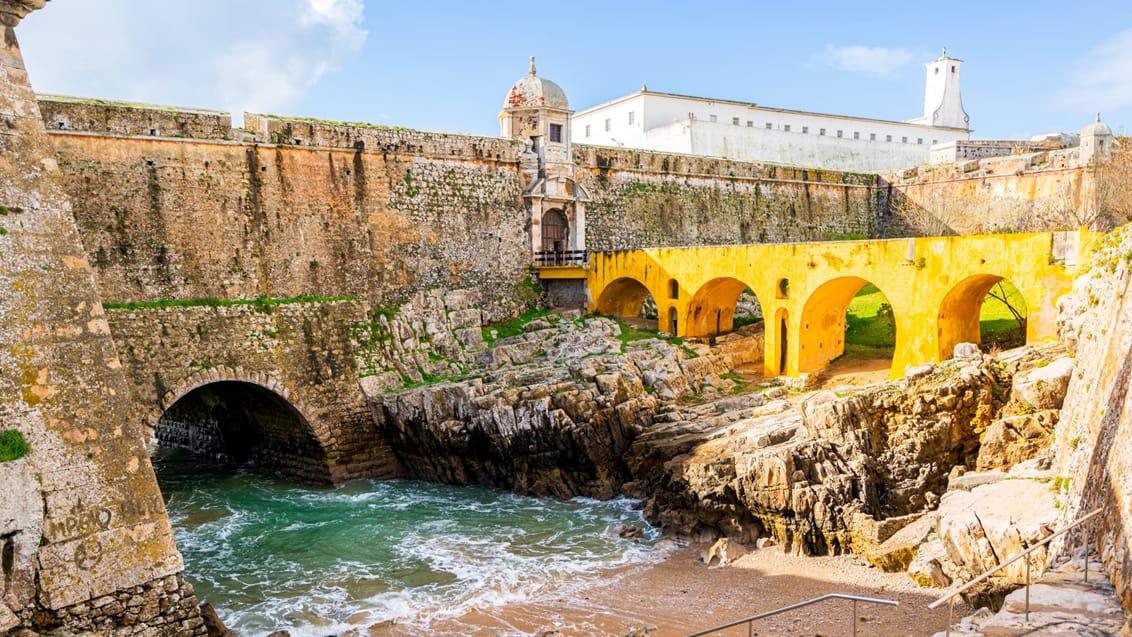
{"type": "Point", "coordinates": [331, 226]}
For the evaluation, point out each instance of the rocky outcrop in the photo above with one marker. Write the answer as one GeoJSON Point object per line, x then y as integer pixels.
{"type": "Point", "coordinates": [550, 411]}
{"type": "Point", "coordinates": [801, 471]}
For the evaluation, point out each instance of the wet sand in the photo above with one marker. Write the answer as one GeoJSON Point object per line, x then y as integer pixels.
{"type": "Point", "coordinates": [680, 595]}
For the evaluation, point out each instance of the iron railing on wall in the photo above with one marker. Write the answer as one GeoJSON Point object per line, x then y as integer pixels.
{"type": "Point", "coordinates": [562, 257]}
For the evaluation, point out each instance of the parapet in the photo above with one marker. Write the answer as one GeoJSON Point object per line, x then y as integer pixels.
{"type": "Point", "coordinates": [604, 158]}
{"type": "Point", "coordinates": [128, 118]}
{"type": "Point", "coordinates": [297, 131]}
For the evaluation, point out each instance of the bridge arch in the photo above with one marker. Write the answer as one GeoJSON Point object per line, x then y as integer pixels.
{"type": "Point", "coordinates": [823, 323]}
{"type": "Point", "coordinates": [234, 416]}
{"type": "Point", "coordinates": [623, 298]}
{"type": "Point", "coordinates": [961, 309]}
{"type": "Point", "coordinates": [711, 309]}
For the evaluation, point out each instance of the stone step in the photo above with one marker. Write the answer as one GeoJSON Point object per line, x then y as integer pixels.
{"type": "Point", "coordinates": [1061, 603]}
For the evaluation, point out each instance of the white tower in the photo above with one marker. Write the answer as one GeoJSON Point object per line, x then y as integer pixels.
{"type": "Point", "coordinates": [1096, 142]}
{"type": "Point", "coordinates": [942, 104]}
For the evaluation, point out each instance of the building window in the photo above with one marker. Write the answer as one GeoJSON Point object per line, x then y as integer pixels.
{"type": "Point", "coordinates": [840, 133]}
{"type": "Point", "coordinates": [713, 118]}
{"type": "Point", "coordinates": [821, 131]}
{"type": "Point", "coordinates": [750, 124]}
{"type": "Point", "coordinates": [786, 127]}
{"type": "Point", "coordinates": [919, 140]}
{"type": "Point", "coordinates": [934, 142]}
{"type": "Point", "coordinates": [735, 121]}
{"type": "Point", "coordinates": [888, 138]}
{"type": "Point", "coordinates": [556, 133]}
{"type": "Point", "coordinates": [904, 140]}
{"type": "Point", "coordinates": [608, 124]}
{"type": "Point", "coordinates": [872, 137]}
{"type": "Point", "coordinates": [632, 117]}
{"type": "Point", "coordinates": [856, 135]}
{"type": "Point", "coordinates": [805, 129]}
{"type": "Point", "coordinates": [952, 68]}
{"type": "Point", "coordinates": [769, 126]}
{"type": "Point", "coordinates": [587, 130]}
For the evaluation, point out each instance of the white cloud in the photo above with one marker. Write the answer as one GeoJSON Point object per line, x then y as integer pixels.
{"type": "Point", "coordinates": [1103, 81]}
{"type": "Point", "coordinates": [231, 54]}
{"type": "Point", "coordinates": [868, 60]}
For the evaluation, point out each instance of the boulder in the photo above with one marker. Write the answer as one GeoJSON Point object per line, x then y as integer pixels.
{"type": "Point", "coordinates": [897, 552]}
{"type": "Point", "coordinates": [926, 568]}
{"type": "Point", "coordinates": [723, 552]}
{"type": "Point", "coordinates": [1009, 441]}
{"type": "Point", "coordinates": [1040, 388]}
{"type": "Point", "coordinates": [989, 524]}
{"type": "Point", "coordinates": [212, 622]}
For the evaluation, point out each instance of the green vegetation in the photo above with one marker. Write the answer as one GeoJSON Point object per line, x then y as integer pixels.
{"type": "Point", "coordinates": [871, 325]}
{"type": "Point", "coordinates": [261, 303]}
{"type": "Point", "coordinates": [870, 322]}
{"type": "Point", "coordinates": [630, 333]}
{"type": "Point", "coordinates": [743, 321]}
{"type": "Point", "coordinates": [12, 445]}
{"type": "Point", "coordinates": [1002, 319]}
{"type": "Point", "coordinates": [513, 327]}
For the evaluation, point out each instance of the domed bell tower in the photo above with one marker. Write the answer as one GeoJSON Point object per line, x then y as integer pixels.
{"type": "Point", "coordinates": [537, 113]}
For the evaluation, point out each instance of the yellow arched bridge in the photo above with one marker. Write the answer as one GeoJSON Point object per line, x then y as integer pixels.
{"type": "Point", "coordinates": [935, 285]}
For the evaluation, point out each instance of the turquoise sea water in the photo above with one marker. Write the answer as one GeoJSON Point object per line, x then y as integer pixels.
{"type": "Point", "coordinates": [271, 555]}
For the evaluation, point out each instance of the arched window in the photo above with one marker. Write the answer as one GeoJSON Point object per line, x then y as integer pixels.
{"type": "Point", "coordinates": [673, 289]}
{"type": "Point", "coordinates": [555, 231]}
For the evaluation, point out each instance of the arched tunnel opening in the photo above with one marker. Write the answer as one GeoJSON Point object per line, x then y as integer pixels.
{"type": "Point", "coordinates": [848, 332]}
{"type": "Point", "coordinates": [631, 302]}
{"type": "Point", "coordinates": [985, 309]}
{"type": "Point", "coordinates": [232, 423]}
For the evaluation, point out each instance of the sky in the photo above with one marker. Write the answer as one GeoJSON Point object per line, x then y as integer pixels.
{"type": "Point", "coordinates": [1028, 67]}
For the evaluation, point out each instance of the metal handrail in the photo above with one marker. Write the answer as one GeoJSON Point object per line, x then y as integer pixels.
{"type": "Point", "coordinates": [950, 595]}
{"type": "Point", "coordinates": [770, 613]}
{"type": "Point", "coordinates": [562, 257]}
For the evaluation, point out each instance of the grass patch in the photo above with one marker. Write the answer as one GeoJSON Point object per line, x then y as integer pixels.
{"type": "Point", "coordinates": [12, 445]}
{"type": "Point", "coordinates": [870, 321]}
{"type": "Point", "coordinates": [513, 327]}
{"type": "Point", "coordinates": [744, 321]}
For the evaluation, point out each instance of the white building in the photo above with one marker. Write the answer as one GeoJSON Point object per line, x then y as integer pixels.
{"type": "Point", "coordinates": [740, 130]}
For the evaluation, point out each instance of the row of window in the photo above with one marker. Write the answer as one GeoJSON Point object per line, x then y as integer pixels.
{"type": "Point", "coordinates": [769, 126]}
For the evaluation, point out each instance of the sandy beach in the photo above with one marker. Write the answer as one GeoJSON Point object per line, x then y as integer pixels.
{"type": "Point", "coordinates": [679, 596]}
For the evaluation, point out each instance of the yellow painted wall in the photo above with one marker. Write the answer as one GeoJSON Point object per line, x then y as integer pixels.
{"type": "Point", "coordinates": [935, 286]}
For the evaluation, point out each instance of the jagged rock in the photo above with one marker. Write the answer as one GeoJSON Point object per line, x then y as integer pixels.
{"type": "Point", "coordinates": [8, 619]}
{"type": "Point", "coordinates": [212, 622]}
{"type": "Point", "coordinates": [1009, 441]}
{"type": "Point", "coordinates": [983, 527]}
{"type": "Point", "coordinates": [722, 552]}
{"type": "Point", "coordinates": [967, 351]}
{"type": "Point", "coordinates": [551, 412]}
{"type": "Point", "coordinates": [926, 568]}
{"type": "Point", "coordinates": [1040, 388]}
{"type": "Point", "coordinates": [898, 551]}
{"type": "Point", "coordinates": [799, 471]}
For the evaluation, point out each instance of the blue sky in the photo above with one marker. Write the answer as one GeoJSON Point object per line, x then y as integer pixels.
{"type": "Point", "coordinates": [1029, 67]}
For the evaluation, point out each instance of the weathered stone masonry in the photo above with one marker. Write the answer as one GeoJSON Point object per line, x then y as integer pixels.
{"type": "Point", "coordinates": [82, 514]}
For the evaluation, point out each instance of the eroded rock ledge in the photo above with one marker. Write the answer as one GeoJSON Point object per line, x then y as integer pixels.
{"type": "Point", "coordinates": [574, 407]}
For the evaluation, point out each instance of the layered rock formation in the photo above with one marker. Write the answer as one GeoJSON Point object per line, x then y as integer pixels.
{"type": "Point", "coordinates": [568, 407]}
{"type": "Point", "coordinates": [551, 410]}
